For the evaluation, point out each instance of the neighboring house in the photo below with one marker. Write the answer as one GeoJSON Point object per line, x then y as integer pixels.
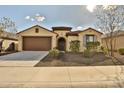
{"type": "Point", "coordinates": [118, 38]}
{"type": "Point", "coordinates": [37, 38]}
{"type": "Point", "coordinates": [8, 40]}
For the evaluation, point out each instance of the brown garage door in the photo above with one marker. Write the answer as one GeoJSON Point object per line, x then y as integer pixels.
{"type": "Point", "coordinates": [37, 43]}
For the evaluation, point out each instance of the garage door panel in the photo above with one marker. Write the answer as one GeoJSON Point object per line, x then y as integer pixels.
{"type": "Point", "coordinates": [37, 43]}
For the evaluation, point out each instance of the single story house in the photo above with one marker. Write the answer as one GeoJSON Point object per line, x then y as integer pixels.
{"type": "Point", "coordinates": [7, 40]}
{"type": "Point", "coordinates": [37, 38]}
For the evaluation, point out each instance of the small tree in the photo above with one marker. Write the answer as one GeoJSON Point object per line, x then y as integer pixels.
{"type": "Point", "coordinates": [75, 46]}
{"type": "Point", "coordinates": [54, 52]}
{"type": "Point", "coordinates": [6, 24]}
{"type": "Point", "coordinates": [110, 21]}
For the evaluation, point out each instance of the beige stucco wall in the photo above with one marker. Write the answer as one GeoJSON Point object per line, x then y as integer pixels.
{"type": "Point", "coordinates": [88, 32]}
{"type": "Point", "coordinates": [55, 37]}
{"type": "Point", "coordinates": [69, 39]}
{"type": "Point", "coordinates": [80, 37]}
{"type": "Point", "coordinates": [119, 42]}
{"type": "Point", "coordinates": [7, 42]}
{"type": "Point", "coordinates": [31, 32]}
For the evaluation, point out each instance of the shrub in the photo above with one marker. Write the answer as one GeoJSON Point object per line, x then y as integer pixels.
{"type": "Point", "coordinates": [86, 53]}
{"type": "Point", "coordinates": [121, 51]}
{"type": "Point", "coordinates": [54, 52]}
{"type": "Point", "coordinates": [89, 53]}
{"type": "Point", "coordinates": [92, 45]}
{"type": "Point", "coordinates": [75, 45]}
{"type": "Point", "coordinates": [104, 50]}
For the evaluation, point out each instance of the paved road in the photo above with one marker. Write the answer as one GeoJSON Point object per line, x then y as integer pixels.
{"type": "Point", "coordinates": [25, 58]}
{"type": "Point", "coordinates": [96, 76]}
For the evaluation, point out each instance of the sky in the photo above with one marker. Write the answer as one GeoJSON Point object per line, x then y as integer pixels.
{"type": "Point", "coordinates": [55, 15]}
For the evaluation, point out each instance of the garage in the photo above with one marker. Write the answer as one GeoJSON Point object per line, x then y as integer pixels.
{"type": "Point", "coordinates": [36, 43]}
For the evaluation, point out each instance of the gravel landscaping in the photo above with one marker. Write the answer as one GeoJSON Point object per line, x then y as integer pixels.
{"type": "Point", "coordinates": [77, 59]}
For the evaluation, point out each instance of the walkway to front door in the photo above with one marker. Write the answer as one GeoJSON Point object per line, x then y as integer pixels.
{"type": "Point", "coordinates": [61, 44]}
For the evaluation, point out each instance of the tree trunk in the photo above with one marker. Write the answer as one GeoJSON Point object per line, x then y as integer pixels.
{"type": "Point", "coordinates": [106, 42]}
{"type": "Point", "coordinates": [111, 46]}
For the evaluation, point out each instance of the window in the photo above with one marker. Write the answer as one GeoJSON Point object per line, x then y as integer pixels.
{"type": "Point", "coordinates": [90, 38]}
{"type": "Point", "coordinates": [36, 30]}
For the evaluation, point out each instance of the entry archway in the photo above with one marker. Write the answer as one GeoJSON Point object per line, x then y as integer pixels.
{"type": "Point", "coordinates": [62, 44]}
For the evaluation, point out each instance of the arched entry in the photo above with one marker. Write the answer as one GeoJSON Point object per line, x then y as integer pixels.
{"type": "Point", "coordinates": [11, 47]}
{"type": "Point", "coordinates": [61, 44]}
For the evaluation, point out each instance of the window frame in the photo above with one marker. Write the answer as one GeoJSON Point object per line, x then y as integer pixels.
{"type": "Point", "coordinates": [87, 38]}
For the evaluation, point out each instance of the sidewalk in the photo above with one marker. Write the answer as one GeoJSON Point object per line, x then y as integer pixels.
{"type": "Point", "coordinates": [101, 76]}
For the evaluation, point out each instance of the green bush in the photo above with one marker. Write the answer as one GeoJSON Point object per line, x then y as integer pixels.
{"type": "Point", "coordinates": [104, 50]}
{"type": "Point", "coordinates": [54, 52]}
{"type": "Point", "coordinates": [121, 51]}
{"type": "Point", "coordinates": [89, 53]}
{"type": "Point", "coordinates": [86, 53]}
{"type": "Point", "coordinates": [75, 45]}
{"type": "Point", "coordinates": [92, 45]}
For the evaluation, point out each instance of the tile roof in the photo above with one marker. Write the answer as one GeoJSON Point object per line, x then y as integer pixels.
{"type": "Point", "coordinates": [62, 28]}
{"type": "Point", "coordinates": [74, 33]}
{"type": "Point", "coordinates": [37, 26]}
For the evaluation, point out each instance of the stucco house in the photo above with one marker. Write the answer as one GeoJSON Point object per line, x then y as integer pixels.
{"type": "Point", "coordinates": [37, 38]}
{"type": "Point", "coordinates": [8, 39]}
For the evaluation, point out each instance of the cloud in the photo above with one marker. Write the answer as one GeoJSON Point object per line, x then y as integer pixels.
{"type": "Point", "coordinates": [79, 28]}
{"type": "Point", "coordinates": [37, 14]}
{"type": "Point", "coordinates": [90, 7]}
{"type": "Point", "coordinates": [37, 18]}
{"type": "Point", "coordinates": [27, 17]}
{"type": "Point", "coordinates": [32, 19]}
{"type": "Point", "coordinates": [40, 18]}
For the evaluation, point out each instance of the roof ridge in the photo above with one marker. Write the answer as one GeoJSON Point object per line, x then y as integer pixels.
{"type": "Point", "coordinates": [35, 26]}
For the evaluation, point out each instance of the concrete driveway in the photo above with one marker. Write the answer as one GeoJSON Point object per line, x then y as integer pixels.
{"type": "Point", "coordinates": [25, 58]}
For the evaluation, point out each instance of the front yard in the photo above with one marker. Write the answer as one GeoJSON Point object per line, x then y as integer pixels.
{"type": "Point", "coordinates": [77, 59]}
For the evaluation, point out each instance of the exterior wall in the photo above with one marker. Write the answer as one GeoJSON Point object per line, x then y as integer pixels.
{"type": "Point", "coordinates": [55, 37]}
{"type": "Point", "coordinates": [88, 32]}
{"type": "Point", "coordinates": [80, 37]}
{"type": "Point", "coordinates": [69, 39]}
{"type": "Point", "coordinates": [119, 42]}
{"type": "Point", "coordinates": [62, 33]}
{"type": "Point", "coordinates": [7, 42]}
{"type": "Point", "coordinates": [31, 32]}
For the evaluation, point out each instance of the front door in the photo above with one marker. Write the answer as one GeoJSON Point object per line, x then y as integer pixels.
{"type": "Point", "coordinates": [61, 44]}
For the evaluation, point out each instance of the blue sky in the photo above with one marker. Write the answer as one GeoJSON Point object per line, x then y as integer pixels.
{"type": "Point", "coordinates": [60, 15]}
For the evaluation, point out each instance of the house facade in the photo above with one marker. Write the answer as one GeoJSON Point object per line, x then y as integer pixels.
{"type": "Point", "coordinates": [37, 38]}
{"type": "Point", "coordinates": [7, 40]}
